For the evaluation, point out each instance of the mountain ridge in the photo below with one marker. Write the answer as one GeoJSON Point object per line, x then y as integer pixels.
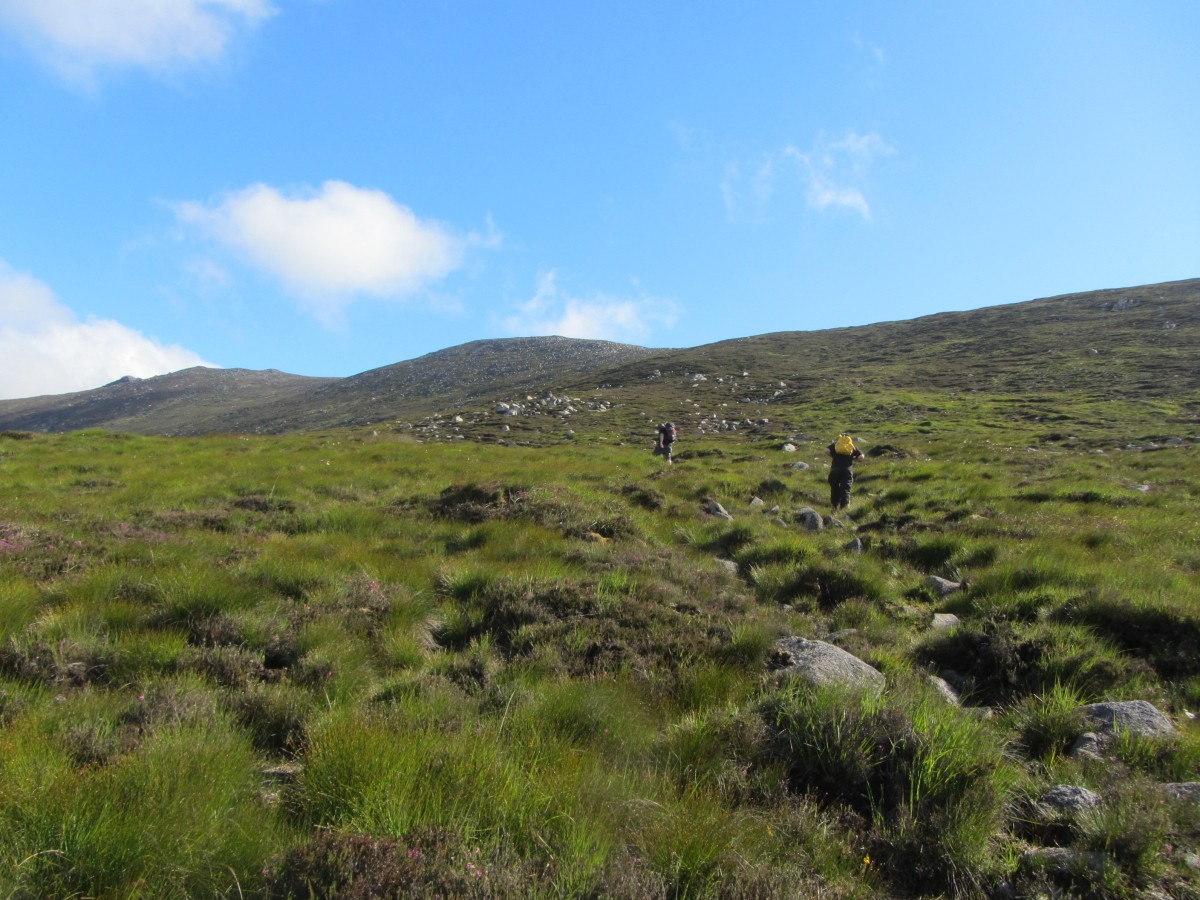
{"type": "Point", "coordinates": [1139, 341]}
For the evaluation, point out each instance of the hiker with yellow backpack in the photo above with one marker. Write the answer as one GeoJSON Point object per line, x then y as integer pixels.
{"type": "Point", "coordinates": [843, 452]}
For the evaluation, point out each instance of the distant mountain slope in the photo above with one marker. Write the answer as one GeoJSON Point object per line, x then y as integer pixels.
{"type": "Point", "coordinates": [448, 379]}
{"type": "Point", "coordinates": [213, 401]}
{"type": "Point", "coordinates": [191, 401]}
{"type": "Point", "coordinates": [1139, 342]}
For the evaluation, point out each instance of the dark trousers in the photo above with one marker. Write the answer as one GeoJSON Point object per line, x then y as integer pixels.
{"type": "Point", "coordinates": [840, 481]}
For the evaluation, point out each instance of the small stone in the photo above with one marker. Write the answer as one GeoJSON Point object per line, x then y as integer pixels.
{"type": "Point", "coordinates": [1068, 799]}
{"type": "Point", "coordinates": [945, 690]}
{"type": "Point", "coordinates": [713, 508]}
{"type": "Point", "coordinates": [1062, 860]}
{"type": "Point", "coordinates": [942, 586]}
{"type": "Point", "coordinates": [809, 518]}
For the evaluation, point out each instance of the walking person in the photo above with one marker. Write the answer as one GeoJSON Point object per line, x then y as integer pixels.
{"type": "Point", "coordinates": [843, 453]}
{"type": "Point", "coordinates": [665, 440]}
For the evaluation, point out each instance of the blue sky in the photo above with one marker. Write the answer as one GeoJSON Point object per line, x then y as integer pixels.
{"type": "Point", "coordinates": [330, 186]}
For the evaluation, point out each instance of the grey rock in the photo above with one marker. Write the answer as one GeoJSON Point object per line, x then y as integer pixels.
{"type": "Point", "coordinates": [1088, 745]}
{"type": "Point", "coordinates": [809, 518]}
{"type": "Point", "coordinates": [1134, 716]}
{"type": "Point", "coordinates": [728, 565]}
{"type": "Point", "coordinates": [789, 448]}
{"type": "Point", "coordinates": [944, 621]}
{"type": "Point", "coordinates": [713, 508]}
{"type": "Point", "coordinates": [855, 546]}
{"type": "Point", "coordinates": [801, 466]}
{"type": "Point", "coordinates": [757, 501]}
{"type": "Point", "coordinates": [1068, 799]}
{"type": "Point", "coordinates": [1184, 791]}
{"type": "Point", "coordinates": [941, 586]}
{"type": "Point", "coordinates": [820, 663]}
{"type": "Point", "coordinates": [945, 690]}
{"type": "Point", "coordinates": [1063, 860]}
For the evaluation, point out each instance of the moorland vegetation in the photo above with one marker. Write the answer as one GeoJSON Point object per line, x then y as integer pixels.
{"type": "Point", "coordinates": [521, 658]}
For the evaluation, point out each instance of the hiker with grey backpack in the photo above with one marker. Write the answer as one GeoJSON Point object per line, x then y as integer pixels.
{"type": "Point", "coordinates": [665, 440]}
{"type": "Point", "coordinates": [843, 453]}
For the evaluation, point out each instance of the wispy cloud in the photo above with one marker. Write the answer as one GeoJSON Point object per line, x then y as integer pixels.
{"type": "Point", "coordinates": [834, 172]}
{"type": "Point", "coordinates": [876, 59]}
{"type": "Point", "coordinates": [331, 245]}
{"type": "Point", "coordinates": [46, 349]}
{"type": "Point", "coordinates": [553, 311]}
{"type": "Point", "coordinates": [79, 38]}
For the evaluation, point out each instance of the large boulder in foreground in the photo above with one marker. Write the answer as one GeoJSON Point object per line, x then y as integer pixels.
{"type": "Point", "coordinates": [822, 664]}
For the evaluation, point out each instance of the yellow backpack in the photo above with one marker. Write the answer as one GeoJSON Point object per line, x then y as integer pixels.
{"type": "Point", "coordinates": [844, 445]}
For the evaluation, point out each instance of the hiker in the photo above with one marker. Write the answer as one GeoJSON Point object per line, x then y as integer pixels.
{"type": "Point", "coordinates": [665, 440]}
{"type": "Point", "coordinates": [843, 452]}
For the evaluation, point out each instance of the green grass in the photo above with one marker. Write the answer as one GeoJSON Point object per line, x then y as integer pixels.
{"type": "Point", "coordinates": [251, 667]}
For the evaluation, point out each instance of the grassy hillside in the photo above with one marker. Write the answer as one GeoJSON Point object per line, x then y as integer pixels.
{"type": "Point", "coordinates": [417, 662]}
{"type": "Point", "coordinates": [1135, 344]}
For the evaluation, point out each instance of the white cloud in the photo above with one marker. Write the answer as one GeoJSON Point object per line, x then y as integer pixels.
{"type": "Point", "coordinates": [79, 37]}
{"type": "Point", "coordinates": [837, 170]}
{"type": "Point", "coordinates": [45, 349]}
{"type": "Point", "coordinates": [552, 312]}
{"type": "Point", "coordinates": [834, 174]}
{"type": "Point", "coordinates": [328, 246]}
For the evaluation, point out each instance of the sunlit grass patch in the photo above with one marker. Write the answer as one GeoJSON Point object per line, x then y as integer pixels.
{"type": "Point", "coordinates": [930, 780]}
{"type": "Point", "coordinates": [602, 714]}
{"type": "Point", "coordinates": [539, 799]}
{"type": "Point", "coordinates": [1166, 759]}
{"type": "Point", "coordinates": [1047, 724]}
{"type": "Point", "coordinates": [104, 833]}
{"type": "Point", "coordinates": [1005, 661]}
{"type": "Point", "coordinates": [187, 597]}
{"type": "Point", "coordinates": [776, 549]}
{"type": "Point", "coordinates": [1163, 630]}
{"type": "Point", "coordinates": [820, 583]}
{"type": "Point", "coordinates": [716, 747]}
{"type": "Point", "coordinates": [19, 601]}
{"type": "Point", "coordinates": [1130, 828]}
{"type": "Point", "coordinates": [335, 660]}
